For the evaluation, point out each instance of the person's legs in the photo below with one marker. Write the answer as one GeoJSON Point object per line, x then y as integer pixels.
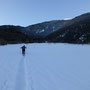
{"type": "Point", "coordinates": [23, 52]}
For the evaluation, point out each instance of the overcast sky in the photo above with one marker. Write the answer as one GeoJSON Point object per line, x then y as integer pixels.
{"type": "Point", "coordinates": [27, 12]}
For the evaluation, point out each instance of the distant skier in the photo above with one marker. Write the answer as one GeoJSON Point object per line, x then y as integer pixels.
{"type": "Point", "coordinates": [23, 50]}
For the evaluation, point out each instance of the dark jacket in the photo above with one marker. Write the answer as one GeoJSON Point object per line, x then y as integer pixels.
{"type": "Point", "coordinates": [23, 49]}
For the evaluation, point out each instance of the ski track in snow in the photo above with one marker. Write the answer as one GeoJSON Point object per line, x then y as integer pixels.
{"type": "Point", "coordinates": [21, 76]}
{"type": "Point", "coordinates": [45, 67]}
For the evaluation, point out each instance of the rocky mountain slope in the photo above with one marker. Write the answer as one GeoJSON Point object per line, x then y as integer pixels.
{"type": "Point", "coordinates": [43, 29]}
{"type": "Point", "coordinates": [77, 32]}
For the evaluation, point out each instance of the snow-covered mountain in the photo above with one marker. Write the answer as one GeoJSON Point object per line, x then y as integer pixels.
{"type": "Point", "coordinates": [71, 31]}
{"type": "Point", "coordinates": [76, 32]}
{"type": "Point", "coordinates": [45, 28]}
{"type": "Point", "coordinates": [42, 30]}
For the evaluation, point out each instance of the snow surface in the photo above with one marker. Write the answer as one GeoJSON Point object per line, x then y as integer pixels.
{"type": "Point", "coordinates": [45, 67]}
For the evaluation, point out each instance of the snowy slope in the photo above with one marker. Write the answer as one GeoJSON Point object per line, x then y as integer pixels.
{"type": "Point", "coordinates": [45, 67]}
{"type": "Point", "coordinates": [45, 28]}
{"type": "Point", "coordinates": [77, 32]}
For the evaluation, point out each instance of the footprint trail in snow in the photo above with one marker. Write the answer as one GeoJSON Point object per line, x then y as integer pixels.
{"type": "Point", "coordinates": [21, 76]}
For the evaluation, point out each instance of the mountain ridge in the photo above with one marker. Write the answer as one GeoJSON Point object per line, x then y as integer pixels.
{"type": "Point", "coordinates": [49, 31]}
{"type": "Point", "coordinates": [79, 27]}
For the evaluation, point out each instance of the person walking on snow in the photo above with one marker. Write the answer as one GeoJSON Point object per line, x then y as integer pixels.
{"type": "Point", "coordinates": [23, 50]}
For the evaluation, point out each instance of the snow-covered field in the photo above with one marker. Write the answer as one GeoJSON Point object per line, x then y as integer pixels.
{"type": "Point", "coordinates": [45, 67]}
